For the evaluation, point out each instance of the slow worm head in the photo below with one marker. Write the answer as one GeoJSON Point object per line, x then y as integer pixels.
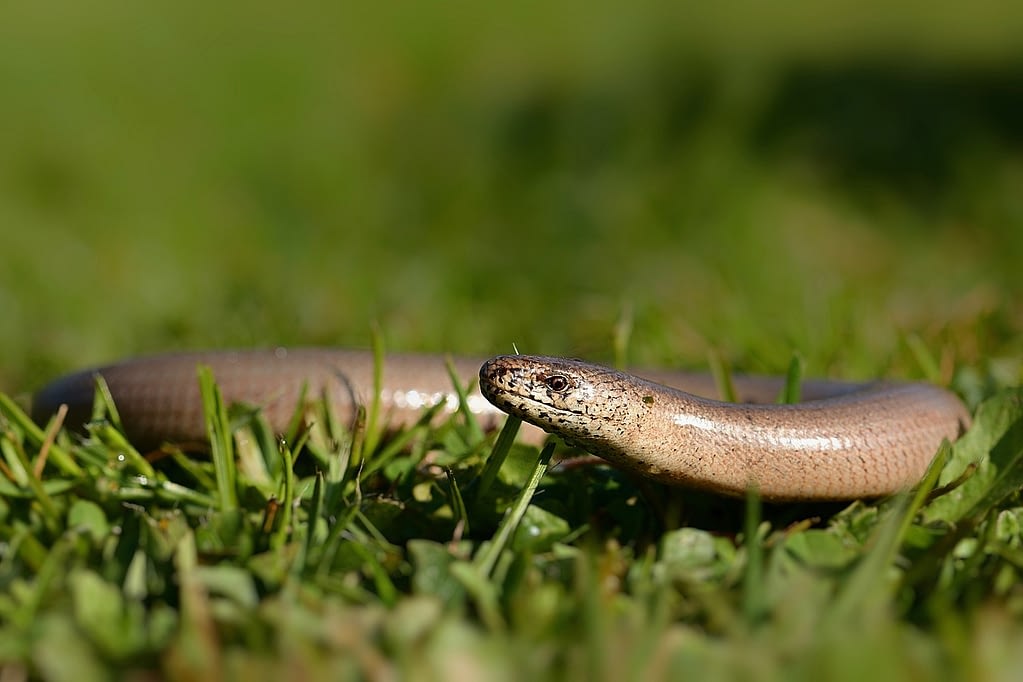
{"type": "Point", "coordinates": [864, 440]}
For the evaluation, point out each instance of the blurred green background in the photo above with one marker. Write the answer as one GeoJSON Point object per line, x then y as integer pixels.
{"type": "Point", "coordinates": [744, 178]}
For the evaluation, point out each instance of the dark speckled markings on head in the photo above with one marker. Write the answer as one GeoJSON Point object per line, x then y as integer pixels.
{"type": "Point", "coordinates": [847, 441]}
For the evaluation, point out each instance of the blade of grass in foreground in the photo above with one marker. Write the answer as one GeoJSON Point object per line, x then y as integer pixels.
{"type": "Point", "coordinates": [500, 452]}
{"type": "Point", "coordinates": [722, 374]}
{"type": "Point", "coordinates": [463, 400]}
{"type": "Point", "coordinates": [754, 597]}
{"type": "Point", "coordinates": [475, 576]}
{"type": "Point", "coordinates": [792, 392]}
{"type": "Point", "coordinates": [489, 553]}
{"type": "Point", "coordinates": [372, 432]}
{"type": "Point", "coordinates": [221, 445]}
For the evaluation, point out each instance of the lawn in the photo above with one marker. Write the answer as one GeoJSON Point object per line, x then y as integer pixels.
{"type": "Point", "coordinates": [658, 185]}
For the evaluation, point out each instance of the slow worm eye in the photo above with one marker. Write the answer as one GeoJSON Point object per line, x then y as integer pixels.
{"type": "Point", "coordinates": [557, 383]}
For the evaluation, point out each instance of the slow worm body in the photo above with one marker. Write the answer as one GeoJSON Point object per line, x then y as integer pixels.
{"type": "Point", "coordinates": [158, 396]}
{"type": "Point", "coordinates": [847, 441]}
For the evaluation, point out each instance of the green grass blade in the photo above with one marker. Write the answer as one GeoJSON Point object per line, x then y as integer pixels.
{"type": "Point", "coordinates": [722, 377]}
{"type": "Point", "coordinates": [754, 597]}
{"type": "Point", "coordinates": [218, 428]}
{"type": "Point", "coordinates": [489, 554]}
{"type": "Point", "coordinates": [792, 391]}
{"type": "Point", "coordinates": [498, 454]}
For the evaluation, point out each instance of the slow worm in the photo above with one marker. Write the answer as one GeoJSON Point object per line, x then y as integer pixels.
{"type": "Point", "coordinates": [846, 441]}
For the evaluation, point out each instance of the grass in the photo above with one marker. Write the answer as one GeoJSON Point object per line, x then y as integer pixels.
{"type": "Point", "coordinates": [263, 561]}
{"type": "Point", "coordinates": [647, 186]}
